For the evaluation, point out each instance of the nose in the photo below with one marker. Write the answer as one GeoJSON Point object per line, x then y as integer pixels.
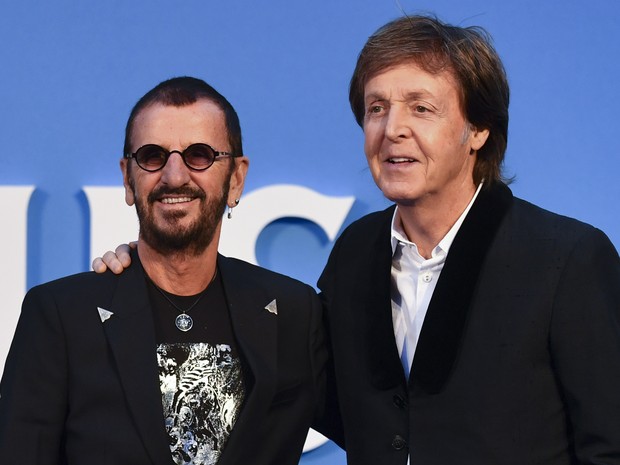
{"type": "Point", "coordinates": [175, 172]}
{"type": "Point", "coordinates": [397, 123]}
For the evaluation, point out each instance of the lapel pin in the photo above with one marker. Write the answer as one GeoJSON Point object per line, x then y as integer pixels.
{"type": "Point", "coordinates": [104, 314]}
{"type": "Point", "coordinates": [272, 307]}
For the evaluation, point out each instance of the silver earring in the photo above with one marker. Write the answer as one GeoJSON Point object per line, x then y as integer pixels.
{"type": "Point", "coordinates": [230, 209]}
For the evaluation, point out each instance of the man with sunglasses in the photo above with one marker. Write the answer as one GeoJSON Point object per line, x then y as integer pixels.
{"type": "Point", "coordinates": [188, 357]}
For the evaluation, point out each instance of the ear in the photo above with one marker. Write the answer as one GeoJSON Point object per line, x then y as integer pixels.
{"type": "Point", "coordinates": [237, 179]}
{"type": "Point", "coordinates": [129, 193]}
{"type": "Point", "coordinates": [477, 138]}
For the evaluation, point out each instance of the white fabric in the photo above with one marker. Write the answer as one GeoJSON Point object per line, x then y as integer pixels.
{"type": "Point", "coordinates": [414, 279]}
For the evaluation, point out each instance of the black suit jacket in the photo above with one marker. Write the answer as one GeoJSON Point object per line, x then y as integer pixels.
{"type": "Point", "coordinates": [79, 391]}
{"type": "Point", "coordinates": [518, 361]}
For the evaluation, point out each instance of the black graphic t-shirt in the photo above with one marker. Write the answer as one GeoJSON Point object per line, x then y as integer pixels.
{"type": "Point", "coordinates": [200, 374]}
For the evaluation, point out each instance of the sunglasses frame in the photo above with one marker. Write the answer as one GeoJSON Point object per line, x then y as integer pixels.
{"type": "Point", "coordinates": [216, 154]}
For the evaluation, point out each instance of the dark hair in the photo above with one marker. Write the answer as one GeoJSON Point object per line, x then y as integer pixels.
{"type": "Point", "coordinates": [467, 53]}
{"type": "Point", "coordinates": [181, 91]}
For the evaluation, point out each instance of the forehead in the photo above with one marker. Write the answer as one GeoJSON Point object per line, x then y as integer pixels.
{"type": "Point", "coordinates": [177, 127]}
{"type": "Point", "coordinates": [409, 77]}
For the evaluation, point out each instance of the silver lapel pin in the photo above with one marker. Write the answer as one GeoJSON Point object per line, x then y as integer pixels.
{"type": "Point", "coordinates": [272, 307]}
{"type": "Point", "coordinates": [104, 314]}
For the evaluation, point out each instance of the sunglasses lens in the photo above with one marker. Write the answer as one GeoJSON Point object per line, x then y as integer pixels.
{"type": "Point", "coordinates": [151, 157]}
{"type": "Point", "coordinates": [199, 156]}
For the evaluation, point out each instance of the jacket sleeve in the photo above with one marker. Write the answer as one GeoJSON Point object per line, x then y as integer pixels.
{"type": "Point", "coordinates": [329, 420]}
{"type": "Point", "coordinates": [585, 347]}
{"type": "Point", "coordinates": [33, 390]}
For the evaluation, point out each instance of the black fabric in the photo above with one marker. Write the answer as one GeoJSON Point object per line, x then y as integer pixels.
{"type": "Point", "coordinates": [448, 310]}
{"type": "Point", "coordinates": [519, 355]}
{"type": "Point", "coordinates": [78, 388]}
{"type": "Point", "coordinates": [200, 372]}
{"type": "Point", "coordinates": [210, 316]}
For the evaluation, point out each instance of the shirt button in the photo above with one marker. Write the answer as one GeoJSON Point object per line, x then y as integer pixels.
{"type": "Point", "coordinates": [398, 442]}
{"type": "Point", "coordinates": [427, 277]}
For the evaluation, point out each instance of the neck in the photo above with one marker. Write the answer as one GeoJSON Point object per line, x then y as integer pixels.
{"type": "Point", "coordinates": [426, 221]}
{"type": "Point", "coordinates": [179, 273]}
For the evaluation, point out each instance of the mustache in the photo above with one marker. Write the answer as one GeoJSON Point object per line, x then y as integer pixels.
{"type": "Point", "coordinates": [185, 191]}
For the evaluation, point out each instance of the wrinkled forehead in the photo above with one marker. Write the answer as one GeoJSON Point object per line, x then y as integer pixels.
{"type": "Point", "coordinates": [430, 63]}
{"type": "Point", "coordinates": [201, 121]}
{"type": "Point", "coordinates": [201, 107]}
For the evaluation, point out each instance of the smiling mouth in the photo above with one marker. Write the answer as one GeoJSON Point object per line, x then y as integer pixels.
{"type": "Point", "coordinates": [171, 200]}
{"type": "Point", "coordinates": [396, 160]}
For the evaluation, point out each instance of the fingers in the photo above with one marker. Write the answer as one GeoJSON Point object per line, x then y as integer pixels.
{"type": "Point", "coordinates": [108, 261]}
{"type": "Point", "coordinates": [121, 254]}
{"type": "Point", "coordinates": [112, 262]}
{"type": "Point", "coordinates": [98, 265]}
{"type": "Point", "coordinates": [115, 261]}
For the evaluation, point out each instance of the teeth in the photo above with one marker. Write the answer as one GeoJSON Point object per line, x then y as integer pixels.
{"type": "Point", "coordinates": [176, 200]}
{"type": "Point", "coordinates": [401, 160]}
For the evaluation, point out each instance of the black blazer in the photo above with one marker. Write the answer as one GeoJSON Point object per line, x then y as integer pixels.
{"type": "Point", "coordinates": [518, 360]}
{"type": "Point", "coordinates": [79, 391]}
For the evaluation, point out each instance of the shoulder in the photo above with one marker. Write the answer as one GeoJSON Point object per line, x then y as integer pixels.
{"type": "Point", "coordinates": [79, 282]}
{"type": "Point", "coordinates": [253, 275]}
{"type": "Point", "coordinates": [66, 305]}
{"type": "Point", "coordinates": [542, 223]}
{"type": "Point", "coordinates": [531, 231]}
{"type": "Point", "coordinates": [75, 289]}
{"type": "Point", "coordinates": [368, 229]}
{"type": "Point", "coordinates": [248, 285]}
{"type": "Point", "coordinates": [363, 245]}
{"type": "Point", "coordinates": [371, 221]}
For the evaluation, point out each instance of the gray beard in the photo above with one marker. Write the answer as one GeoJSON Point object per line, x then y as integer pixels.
{"type": "Point", "coordinates": [173, 240]}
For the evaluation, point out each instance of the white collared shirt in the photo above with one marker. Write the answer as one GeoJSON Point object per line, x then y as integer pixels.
{"type": "Point", "coordinates": [413, 282]}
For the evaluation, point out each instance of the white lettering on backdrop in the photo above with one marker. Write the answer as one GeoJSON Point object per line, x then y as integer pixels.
{"type": "Point", "coordinates": [263, 206]}
{"type": "Point", "coordinates": [13, 233]}
{"type": "Point", "coordinates": [113, 223]}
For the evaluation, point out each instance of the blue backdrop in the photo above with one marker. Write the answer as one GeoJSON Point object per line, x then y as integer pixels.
{"type": "Point", "coordinates": [71, 72]}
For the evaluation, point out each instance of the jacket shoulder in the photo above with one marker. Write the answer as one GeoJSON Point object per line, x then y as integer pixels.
{"type": "Point", "coordinates": [368, 227]}
{"type": "Point", "coordinates": [258, 275]}
{"type": "Point", "coordinates": [80, 287]}
{"type": "Point", "coordinates": [531, 231]}
{"type": "Point", "coordinates": [541, 222]}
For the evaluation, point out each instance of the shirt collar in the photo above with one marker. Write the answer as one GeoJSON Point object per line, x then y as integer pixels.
{"type": "Point", "coordinates": [398, 233]}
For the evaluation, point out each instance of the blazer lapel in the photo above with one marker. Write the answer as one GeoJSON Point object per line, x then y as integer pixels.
{"type": "Point", "coordinates": [373, 278]}
{"type": "Point", "coordinates": [256, 332]}
{"type": "Point", "coordinates": [131, 336]}
{"type": "Point", "coordinates": [446, 317]}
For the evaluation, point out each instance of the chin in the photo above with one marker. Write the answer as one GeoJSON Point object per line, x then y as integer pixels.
{"type": "Point", "coordinates": [401, 197]}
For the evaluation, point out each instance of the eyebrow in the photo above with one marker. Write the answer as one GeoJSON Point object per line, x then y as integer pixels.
{"type": "Point", "coordinates": [411, 95]}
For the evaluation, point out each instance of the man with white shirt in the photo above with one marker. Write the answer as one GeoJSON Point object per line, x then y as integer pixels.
{"type": "Point", "coordinates": [467, 326]}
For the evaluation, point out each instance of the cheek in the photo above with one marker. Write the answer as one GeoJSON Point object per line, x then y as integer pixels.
{"type": "Point", "coordinates": [140, 186]}
{"type": "Point", "coordinates": [374, 166]}
{"type": "Point", "coordinates": [372, 143]}
{"type": "Point", "coordinates": [372, 160]}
